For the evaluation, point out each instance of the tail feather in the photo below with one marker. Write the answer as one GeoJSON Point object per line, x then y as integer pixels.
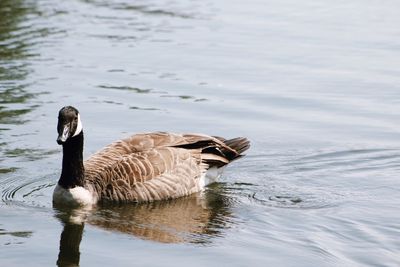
{"type": "Point", "coordinates": [239, 144]}
{"type": "Point", "coordinates": [221, 151]}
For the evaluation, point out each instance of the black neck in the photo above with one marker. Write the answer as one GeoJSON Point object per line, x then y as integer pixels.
{"type": "Point", "coordinates": [73, 172]}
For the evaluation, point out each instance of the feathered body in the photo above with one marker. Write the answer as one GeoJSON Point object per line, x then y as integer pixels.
{"type": "Point", "coordinates": [143, 167]}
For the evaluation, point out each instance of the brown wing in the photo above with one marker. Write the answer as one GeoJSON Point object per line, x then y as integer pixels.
{"type": "Point", "coordinates": [154, 166]}
{"type": "Point", "coordinates": [146, 141]}
{"type": "Point", "coordinates": [156, 174]}
{"type": "Point", "coordinates": [215, 150]}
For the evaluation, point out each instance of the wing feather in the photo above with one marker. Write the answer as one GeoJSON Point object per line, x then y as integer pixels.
{"type": "Point", "coordinates": [160, 173]}
{"type": "Point", "coordinates": [155, 166]}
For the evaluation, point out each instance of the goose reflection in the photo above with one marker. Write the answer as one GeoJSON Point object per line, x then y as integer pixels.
{"type": "Point", "coordinates": [70, 240]}
{"type": "Point", "coordinates": [198, 218]}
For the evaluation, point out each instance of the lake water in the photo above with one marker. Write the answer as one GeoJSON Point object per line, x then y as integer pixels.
{"type": "Point", "coordinates": [315, 86]}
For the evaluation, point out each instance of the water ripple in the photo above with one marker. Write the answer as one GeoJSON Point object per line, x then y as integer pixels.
{"type": "Point", "coordinates": [21, 191]}
{"type": "Point", "coordinates": [345, 161]}
{"type": "Point", "coordinates": [127, 88]}
{"type": "Point", "coordinates": [15, 236]}
{"type": "Point", "coordinates": [302, 179]}
{"type": "Point", "coordinates": [145, 8]}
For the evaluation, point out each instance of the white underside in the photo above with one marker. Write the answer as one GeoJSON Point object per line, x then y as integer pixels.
{"type": "Point", "coordinates": [210, 176]}
{"type": "Point", "coordinates": [77, 196]}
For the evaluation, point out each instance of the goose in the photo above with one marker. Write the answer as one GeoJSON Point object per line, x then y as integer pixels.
{"type": "Point", "coordinates": [144, 167]}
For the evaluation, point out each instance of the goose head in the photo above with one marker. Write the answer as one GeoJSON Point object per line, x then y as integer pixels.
{"type": "Point", "coordinates": [69, 124]}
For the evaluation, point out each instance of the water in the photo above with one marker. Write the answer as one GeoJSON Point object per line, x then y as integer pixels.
{"type": "Point", "coordinates": [313, 84]}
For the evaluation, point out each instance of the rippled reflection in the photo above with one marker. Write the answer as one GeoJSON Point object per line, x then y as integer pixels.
{"type": "Point", "coordinates": [70, 240]}
{"type": "Point", "coordinates": [198, 219]}
{"type": "Point", "coordinates": [143, 7]}
{"type": "Point", "coordinates": [14, 236]}
{"type": "Point", "coordinates": [14, 49]}
{"type": "Point", "coordinates": [20, 34]}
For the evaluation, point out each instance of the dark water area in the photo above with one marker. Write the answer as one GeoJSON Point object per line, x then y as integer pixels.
{"type": "Point", "coordinates": [315, 86]}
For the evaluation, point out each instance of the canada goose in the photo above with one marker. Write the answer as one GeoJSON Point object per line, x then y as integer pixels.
{"type": "Point", "coordinates": [141, 168]}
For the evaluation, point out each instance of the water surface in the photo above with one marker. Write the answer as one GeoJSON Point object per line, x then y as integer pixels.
{"type": "Point", "coordinates": [313, 84]}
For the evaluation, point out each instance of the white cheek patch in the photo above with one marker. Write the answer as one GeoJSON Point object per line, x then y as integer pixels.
{"type": "Point", "coordinates": [79, 127]}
